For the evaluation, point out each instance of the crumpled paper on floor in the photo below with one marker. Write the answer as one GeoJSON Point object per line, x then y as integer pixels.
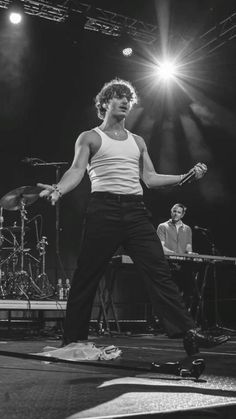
{"type": "Point", "coordinates": [82, 351]}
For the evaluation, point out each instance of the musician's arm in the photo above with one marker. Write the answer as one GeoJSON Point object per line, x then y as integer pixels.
{"type": "Point", "coordinates": [189, 246]}
{"type": "Point", "coordinates": [161, 232]}
{"type": "Point", "coordinates": [166, 250]}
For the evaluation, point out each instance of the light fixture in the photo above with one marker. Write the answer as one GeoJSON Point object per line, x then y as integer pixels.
{"type": "Point", "coordinates": [125, 44]}
{"type": "Point", "coordinates": [16, 11]}
{"type": "Point", "coordinates": [127, 51]}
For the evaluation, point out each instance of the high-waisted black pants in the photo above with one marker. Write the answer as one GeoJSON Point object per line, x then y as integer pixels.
{"type": "Point", "coordinates": [111, 221]}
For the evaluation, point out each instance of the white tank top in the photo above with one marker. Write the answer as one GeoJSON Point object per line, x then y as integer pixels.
{"type": "Point", "coordinates": [115, 166]}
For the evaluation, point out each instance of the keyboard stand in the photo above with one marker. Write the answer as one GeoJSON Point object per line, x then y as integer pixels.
{"type": "Point", "coordinates": [105, 291]}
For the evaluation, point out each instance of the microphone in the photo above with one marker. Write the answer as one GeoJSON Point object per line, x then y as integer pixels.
{"type": "Point", "coordinates": [201, 229]}
{"type": "Point", "coordinates": [187, 178]}
{"type": "Point", "coordinates": [31, 160]}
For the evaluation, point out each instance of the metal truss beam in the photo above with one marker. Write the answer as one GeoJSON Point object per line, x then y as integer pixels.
{"type": "Point", "coordinates": [98, 20]}
{"type": "Point", "coordinates": [114, 24]}
{"type": "Point", "coordinates": [216, 37]}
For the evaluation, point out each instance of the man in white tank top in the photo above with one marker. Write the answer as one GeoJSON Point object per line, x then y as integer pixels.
{"type": "Point", "coordinates": [116, 160]}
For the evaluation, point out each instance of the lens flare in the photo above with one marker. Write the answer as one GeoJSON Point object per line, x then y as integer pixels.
{"type": "Point", "coordinates": [167, 70]}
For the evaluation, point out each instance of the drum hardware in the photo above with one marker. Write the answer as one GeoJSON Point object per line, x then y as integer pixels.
{"type": "Point", "coordinates": [14, 229]}
{"type": "Point", "coordinates": [8, 269]}
{"type": "Point", "coordinates": [15, 281]}
{"type": "Point", "coordinates": [1, 238]}
{"type": "Point", "coordinates": [13, 242]}
{"type": "Point", "coordinates": [1, 224]}
{"type": "Point", "coordinates": [2, 284]}
{"type": "Point", "coordinates": [44, 284]}
{"type": "Point", "coordinates": [19, 283]}
{"type": "Point", "coordinates": [24, 275]}
{"type": "Point", "coordinates": [13, 200]}
{"type": "Point", "coordinates": [27, 277]}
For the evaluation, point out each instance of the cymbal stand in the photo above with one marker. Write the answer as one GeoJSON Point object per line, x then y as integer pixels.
{"type": "Point", "coordinates": [45, 286]}
{"type": "Point", "coordinates": [22, 277]}
{"type": "Point", "coordinates": [23, 216]}
{"type": "Point", "coordinates": [1, 224]}
{"type": "Point", "coordinates": [23, 252]}
{"type": "Point", "coordinates": [2, 292]}
{"type": "Point", "coordinates": [42, 251]}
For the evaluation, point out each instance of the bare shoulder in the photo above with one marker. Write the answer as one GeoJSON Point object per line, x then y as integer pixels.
{"type": "Point", "coordinates": [87, 138]}
{"type": "Point", "coordinates": [140, 143]}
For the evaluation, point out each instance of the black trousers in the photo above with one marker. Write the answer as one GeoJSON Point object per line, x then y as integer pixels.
{"type": "Point", "coordinates": [114, 220]}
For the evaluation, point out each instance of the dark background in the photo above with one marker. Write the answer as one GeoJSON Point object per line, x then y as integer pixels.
{"type": "Point", "coordinates": [49, 75]}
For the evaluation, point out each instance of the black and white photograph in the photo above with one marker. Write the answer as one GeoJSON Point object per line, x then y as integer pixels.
{"type": "Point", "coordinates": [117, 209]}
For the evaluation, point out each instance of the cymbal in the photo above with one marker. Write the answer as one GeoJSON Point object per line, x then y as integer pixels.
{"type": "Point", "coordinates": [26, 194]}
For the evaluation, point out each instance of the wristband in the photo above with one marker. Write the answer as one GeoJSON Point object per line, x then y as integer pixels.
{"type": "Point", "coordinates": [56, 189]}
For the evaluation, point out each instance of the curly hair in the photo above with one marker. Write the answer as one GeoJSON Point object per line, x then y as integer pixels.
{"type": "Point", "coordinates": [117, 86]}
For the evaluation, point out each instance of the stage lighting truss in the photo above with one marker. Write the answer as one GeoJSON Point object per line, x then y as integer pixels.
{"type": "Point", "coordinates": [113, 24]}
{"type": "Point", "coordinates": [216, 37]}
{"type": "Point", "coordinates": [98, 20]}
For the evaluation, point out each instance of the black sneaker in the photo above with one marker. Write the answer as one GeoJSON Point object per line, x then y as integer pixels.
{"type": "Point", "coordinates": [194, 339]}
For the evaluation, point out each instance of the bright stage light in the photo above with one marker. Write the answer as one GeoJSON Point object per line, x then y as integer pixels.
{"type": "Point", "coordinates": [167, 70]}
{"type": "Point", "coordinates": [16, 11]}
{"type": "Point", "coordinates": [127, 52]}
{"type": "Point", "coordinates": [15, 18]}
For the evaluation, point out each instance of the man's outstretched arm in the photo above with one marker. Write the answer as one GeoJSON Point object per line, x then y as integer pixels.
{"type": "Point", "coordinates": [73, 176]}
{"type": "Point", "coordinates": [152, 179]}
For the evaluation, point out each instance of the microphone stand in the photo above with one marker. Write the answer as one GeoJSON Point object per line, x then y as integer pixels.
{"type": "Point", "coordinates": [59, 263]}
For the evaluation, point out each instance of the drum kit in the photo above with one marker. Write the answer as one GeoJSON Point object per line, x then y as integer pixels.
{"type": "Point", "coordinates": [22, 275]}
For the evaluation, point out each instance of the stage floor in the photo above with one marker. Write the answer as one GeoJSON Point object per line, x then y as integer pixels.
{"type": "Point", "coordinates": [42, 390]}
